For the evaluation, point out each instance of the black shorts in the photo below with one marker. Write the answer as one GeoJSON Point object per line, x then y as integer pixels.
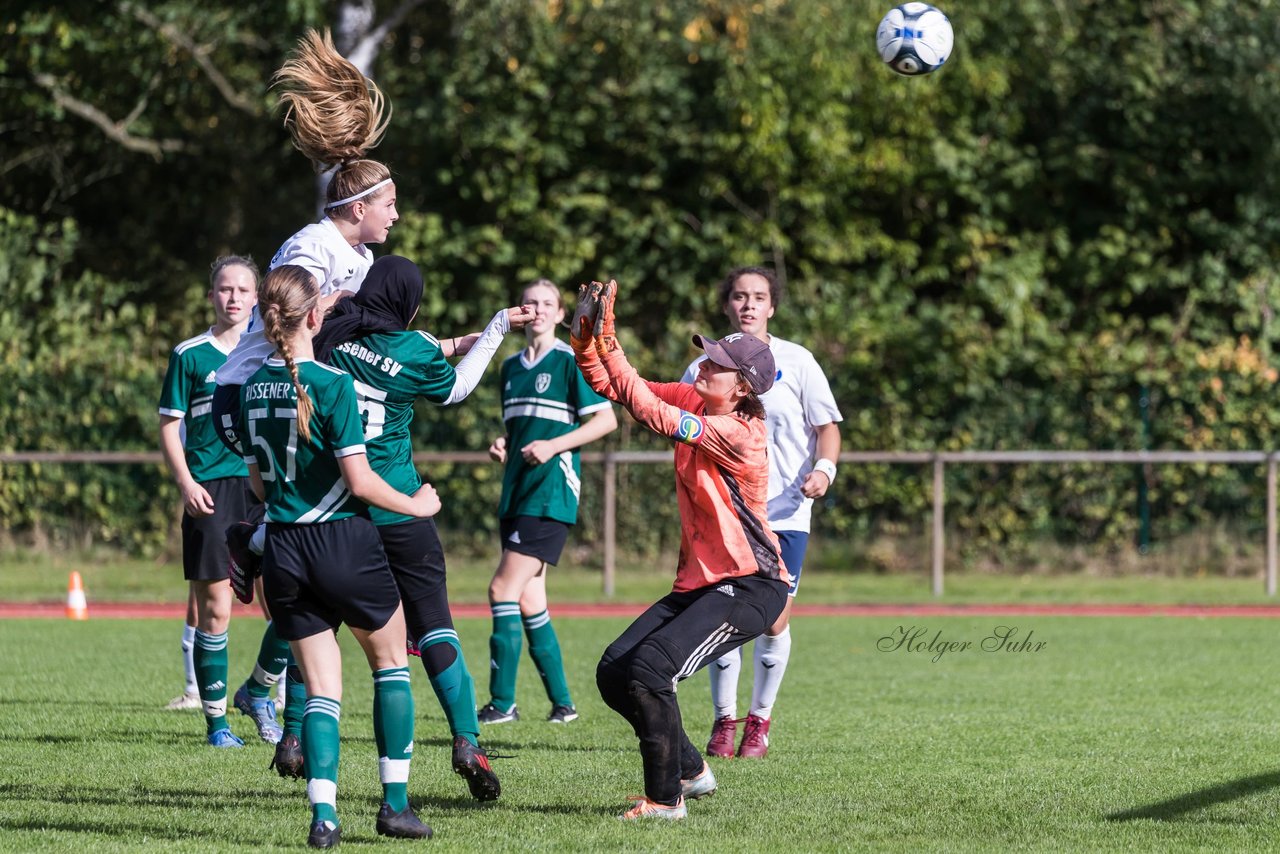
{"type": "Point", "coordinates": [417, 562]}
{"type": "Point", "coordinates": [317, 577]}
{"type": "Point", "coordinates": [204, 538]}
{"type": "Point", "coordinates": [535, 536]}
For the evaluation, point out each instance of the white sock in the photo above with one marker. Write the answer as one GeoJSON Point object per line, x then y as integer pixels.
{"type": "Point", "coordinates": [258, 542]}
{"type": "Point", "coordinates": [188, 644]}
{"type": "Point", "coordinates": [772, 655]}
{"type": "Point", "coordinates": [724, 683]}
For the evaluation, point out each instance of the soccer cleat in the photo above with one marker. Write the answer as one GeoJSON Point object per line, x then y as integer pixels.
{"type": "Point", "coordinates": [411, 647]}
{"type": "Point", "coordinates": [472, 763]}
{"type": "Point", "coordinates": [224, 738]}
{"type": "Point", "coordinates": [288, 758]}
{"type": "Point", "coordinates": [755, 738]}
{"type": "Point", "coordinates": [401, 825]}
{"type": "Point", "coordinates": [263, 712]}
{"type": "Point", "coordinates": [724, 734]}
{"type": "Point", "coordinates": [562, 714]}
{"type": "Point", "coordinates": [324, 834]}
{"type": "Point", "coordinates": [182, 702]}
{"type": "Point", "coordinates": [645, 808]}
{"type": "Point", "coordinates": [491, 714]}
{"type": "Point", "coordinates": [245, 564]}
{"type": "Point", "coordinates": [701, 786]}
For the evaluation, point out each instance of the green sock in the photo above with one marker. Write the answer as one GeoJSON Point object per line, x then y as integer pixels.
{"type": "Point", "coordinates": [320, 756]}
{"type": "Point", "coordinates": [544, 649]}
{"type": "Point", "coordinates": [295, 699]}
{"type": "Point", "coordinates": [210, 658]}
{"type": "Point", "coordinates": [273, 657]}
{"type": "Point", "coordinates": [393, 732]}
{"type": "Point", "coordinates": [504, 654]}
{"type": "Point", "coordinates": [450, 679]}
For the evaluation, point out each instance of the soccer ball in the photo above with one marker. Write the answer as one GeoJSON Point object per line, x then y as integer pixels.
{"type": "Point", "coordinates": [914, 38]}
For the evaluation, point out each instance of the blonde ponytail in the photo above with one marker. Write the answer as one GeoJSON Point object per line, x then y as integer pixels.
{"type": "Point", "coordinates": [334, 112]}
{"type": "Point", "coordinates": [288, 293]}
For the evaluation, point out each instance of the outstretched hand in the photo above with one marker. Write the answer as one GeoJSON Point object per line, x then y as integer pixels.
{"type": "Point", "coordinates": [584, 316]}
{"type": "Point", "coordinates": [606, 338]}
{"type": "Point", "coordinates": [604, 314]}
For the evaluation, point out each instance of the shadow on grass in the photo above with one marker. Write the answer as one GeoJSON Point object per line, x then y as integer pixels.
{"type": "Point", "coordinates": [137, 796]}
{"type": "Point", "coordinates": [1175, 808]}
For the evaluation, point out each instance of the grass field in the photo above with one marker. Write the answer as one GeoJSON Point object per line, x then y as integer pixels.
{"type": "Point", "coordinates": [1150, 734]}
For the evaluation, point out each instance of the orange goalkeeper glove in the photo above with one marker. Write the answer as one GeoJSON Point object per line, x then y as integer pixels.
{"type": "Point", "coordinates": [584, 316]}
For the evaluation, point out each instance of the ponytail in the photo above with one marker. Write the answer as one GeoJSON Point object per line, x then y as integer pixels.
{"type": "Point", "coordinates": [287, 295]}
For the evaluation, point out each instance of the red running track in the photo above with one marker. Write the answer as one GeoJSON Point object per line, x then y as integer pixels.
{"type": "Point", "coordinates": [177, 610]}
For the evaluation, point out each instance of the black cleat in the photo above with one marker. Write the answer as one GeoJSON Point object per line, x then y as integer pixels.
{"type": "Point", "coordinates": [491, 714]}
{"type": "Point", "coordinates": [324, 835]}
{"type": "Point", "coordinates": [401, 825]}
{"type": "Point", "coordinates": [472, 763]}
{"type": "Point", "coordinates": [562, 714]}
{"type": "Point", "coordinates": [288, 758]}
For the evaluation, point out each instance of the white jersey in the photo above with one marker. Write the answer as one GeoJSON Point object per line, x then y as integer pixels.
{"type": "Point", "coordinates": [799, 402]}
{"type": "Point", "coordinates": [337, 265]}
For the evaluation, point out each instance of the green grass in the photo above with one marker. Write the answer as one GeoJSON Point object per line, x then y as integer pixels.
{"type": "Point", "coordinates": [1149, 734]}
{"type": "Point", "coordinates": [42, 576]}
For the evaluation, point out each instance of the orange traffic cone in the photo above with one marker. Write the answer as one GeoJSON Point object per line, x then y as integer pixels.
{"type": "Point", "coordinates": [77, 607]}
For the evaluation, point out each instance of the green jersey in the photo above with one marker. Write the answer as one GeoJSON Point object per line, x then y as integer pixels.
{"type": "Point", "coordinates": [303, 482]}
{"type": "Point", "coordinates": [187, 393]}
{"type": "Point", "coordinates": [391, 370]}
{"type": "Point", "coordinates": [542, 400]}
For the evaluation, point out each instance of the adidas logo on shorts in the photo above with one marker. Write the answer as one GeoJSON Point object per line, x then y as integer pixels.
{"type": "Point", "coordinates": [515, 537]}
{"type": "Point", "coordinates": [726, 589]}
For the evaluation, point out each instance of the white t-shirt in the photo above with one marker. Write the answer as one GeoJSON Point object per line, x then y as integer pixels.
{"type": "Point", "coordinates": [326, 254]}
{"type": "Point", "coordinates": [799, 402]}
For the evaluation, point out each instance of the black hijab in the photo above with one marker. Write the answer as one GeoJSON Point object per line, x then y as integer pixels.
{"type": "Point", "coordinates": [386, 302]}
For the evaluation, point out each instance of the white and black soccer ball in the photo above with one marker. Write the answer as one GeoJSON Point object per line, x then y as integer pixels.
{"type": "Point", "coordinates": [914, 38]}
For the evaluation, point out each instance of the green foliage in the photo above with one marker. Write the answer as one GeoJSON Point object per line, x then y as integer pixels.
{"type": "Point", "coordinates": [80, 361]}
{"type": "Point", "coordinates": [1080, 208]}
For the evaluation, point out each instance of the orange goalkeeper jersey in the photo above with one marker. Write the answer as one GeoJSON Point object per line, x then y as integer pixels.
{"type": "Point", "coordinates": [722, 474]}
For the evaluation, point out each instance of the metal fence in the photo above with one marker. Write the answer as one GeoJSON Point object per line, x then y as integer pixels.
{"type": "Point", "coordinates": [937, 460]}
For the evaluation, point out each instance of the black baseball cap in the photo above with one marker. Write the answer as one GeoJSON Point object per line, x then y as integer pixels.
{"type": "Point", "coordinates": [742, 352]}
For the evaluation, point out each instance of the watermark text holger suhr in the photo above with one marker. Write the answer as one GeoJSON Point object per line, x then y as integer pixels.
{"type": "Point", "coordinates": [918, 639]}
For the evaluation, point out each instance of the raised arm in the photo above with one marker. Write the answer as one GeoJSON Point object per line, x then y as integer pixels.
{"type": "Point", "coordinates": [673, 410]}
{"type": "Point", "coordinates": [480, 352]}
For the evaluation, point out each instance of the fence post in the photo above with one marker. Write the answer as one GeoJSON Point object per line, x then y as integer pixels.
{"type": "Point", "coordinates": [1271, 523]}
{"type": "Point", "coordinates": [610, 520]}
{"type": "Point", "coordinates": [939, 544]}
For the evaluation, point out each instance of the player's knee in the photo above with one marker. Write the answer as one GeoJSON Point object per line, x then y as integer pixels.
{"type": "Point", "coordinates": [651, 670]}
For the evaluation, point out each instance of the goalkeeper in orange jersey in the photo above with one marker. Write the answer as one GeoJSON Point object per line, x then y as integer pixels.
{"type": "Point", "coordinates": [731, 583]}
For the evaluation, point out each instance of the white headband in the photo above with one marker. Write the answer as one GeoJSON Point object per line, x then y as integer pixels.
{"type": "Point", "coordinates": [360, 195]}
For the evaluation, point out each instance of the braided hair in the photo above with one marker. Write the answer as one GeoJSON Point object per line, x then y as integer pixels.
{"type": "Point", "coordinates": [287, 295]}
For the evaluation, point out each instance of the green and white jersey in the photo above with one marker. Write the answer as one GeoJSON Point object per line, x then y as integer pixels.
{"type": "Point", "coordinates": [391, 370]}
{"type": "Point", "coordinates": [303, 482]}
{"type": "Point", "coordinates": [187, 393]}
{"type": "Point", "coordinates": [542, 400]}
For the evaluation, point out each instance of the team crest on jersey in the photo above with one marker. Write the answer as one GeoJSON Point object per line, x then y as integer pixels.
{"type": "Point", "coordinates": [542, 382]}
{"type": "Point", "coordinates": [688, 429]}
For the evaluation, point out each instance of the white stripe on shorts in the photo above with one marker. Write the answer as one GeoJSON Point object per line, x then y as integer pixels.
{"type": "Point", "coordinates": [703, 652]}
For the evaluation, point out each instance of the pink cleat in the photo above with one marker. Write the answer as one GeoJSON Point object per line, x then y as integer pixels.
{"type": "Point", "coordinates": [755, 738]}
{"type": "Point", "coordinates": [724, 732]}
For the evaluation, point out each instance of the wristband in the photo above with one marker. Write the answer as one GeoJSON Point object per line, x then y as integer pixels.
{"type": "Point", "coordinates": [826, 467]}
